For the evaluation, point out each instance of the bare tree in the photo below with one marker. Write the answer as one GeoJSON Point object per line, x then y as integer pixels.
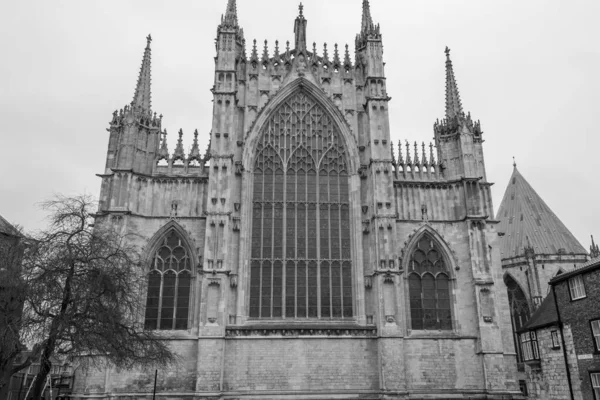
{"type": "Point", "coordinates": [83, 294]}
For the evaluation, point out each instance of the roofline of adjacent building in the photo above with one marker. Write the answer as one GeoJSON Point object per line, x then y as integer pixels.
{"type": "Point", "coordinates": [585, 268]}
{"type": "Point", "coordinates": [536, 327]}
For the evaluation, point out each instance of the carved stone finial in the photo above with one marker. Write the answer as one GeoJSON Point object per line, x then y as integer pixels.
{"type": "Point", "coordinates": [301, 8]}
{"type": "Point", "coordinates": [514, 162]}
{"type": "Point", "coordinates": [594, 249]}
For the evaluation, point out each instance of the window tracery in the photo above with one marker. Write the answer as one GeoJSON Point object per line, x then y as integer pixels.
{"type": "Point", "coordinates": [301, 256]}
{"type": "Point", "coordinates": [429, 287]}
{"type": "Point", "coordinates": [169, 283]}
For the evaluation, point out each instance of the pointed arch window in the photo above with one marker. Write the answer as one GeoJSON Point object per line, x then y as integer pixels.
{"type": "Point", "coordinates": [301, 265]}
{"type": "Point", "coordinates": [519, 311]}
{"type": "Point", "coordinates": [169, 284]}
{"type": "Point", "coordinates": [429, 287]}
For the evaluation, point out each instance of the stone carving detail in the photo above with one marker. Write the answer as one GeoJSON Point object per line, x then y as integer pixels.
{"type": "Point", "coordinates": [368, 282]}
{"type": "Point", "coordinates": [233, 280]}
{"type": "Point", "coordinates": [296, 332]}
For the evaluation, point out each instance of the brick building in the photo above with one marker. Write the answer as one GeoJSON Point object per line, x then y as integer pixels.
{"type": "Point", "coordinates": [301, 256]}
{"type": "Point", "coordinates": [578, 307]}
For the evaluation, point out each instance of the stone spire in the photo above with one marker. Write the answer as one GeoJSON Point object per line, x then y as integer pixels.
{"type": "Point", "coordinates": [300, 31]}
{"type": "Point", "coordinates": [367, 20]}
{"type": "Point", "coordinates": [230, 20]}
{"type": "Point", "coordinates": [143, 95]}
{"type": "Point", "coordinates": [453, 104]}
{"type": "Point", "coordinates": [594, 249]}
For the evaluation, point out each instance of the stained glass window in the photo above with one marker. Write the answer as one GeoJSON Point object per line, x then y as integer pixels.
{"type": "Point", "coordinates": [169, 282]}
{"type": "Point", "coordinates": [301, 264]}
{"type": "Point", "coordinates": [429, 287]}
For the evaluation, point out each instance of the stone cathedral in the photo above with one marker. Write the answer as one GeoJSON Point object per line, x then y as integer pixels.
{"type": "Point", "coordinates": [302, 256]}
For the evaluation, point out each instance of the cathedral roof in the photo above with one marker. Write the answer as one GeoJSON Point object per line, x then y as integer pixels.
{"type": "Point", "coordinates": [527, 221]}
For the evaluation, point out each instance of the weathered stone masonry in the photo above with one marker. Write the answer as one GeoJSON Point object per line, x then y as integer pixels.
{"type": "Point", "coordinates": [394, 199]}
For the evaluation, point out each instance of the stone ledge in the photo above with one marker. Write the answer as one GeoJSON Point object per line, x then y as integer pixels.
{"type": "Point", "coordinates": [300, 331]}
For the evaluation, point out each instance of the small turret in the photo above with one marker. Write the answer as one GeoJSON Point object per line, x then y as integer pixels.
{"type": "Point", "coordinates": [135, 130]}
{"type": "Point", "coordinates": [464, 159]}
{"type": "Point", "coordinates": [179, 154]}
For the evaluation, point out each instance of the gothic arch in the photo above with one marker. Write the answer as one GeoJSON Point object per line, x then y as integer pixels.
{"type": "Point", "coordinates": [440, 241]}
{"type": "Point", "coordinates": [429, 276]}
{"type": "Point", "coordinates": [155, 242]}
{"type": "Point", "coordinates": [324, 127]}
{"type": "Point", "coordinates": [170, 261]}
{"type": "Point", "coordinates": [520, 309]}
{"type": "Point", "coordinates": [301, 84]}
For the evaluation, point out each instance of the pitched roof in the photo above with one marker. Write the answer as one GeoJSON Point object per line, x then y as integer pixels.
{"type": "Point", "coordinates": [543, 316]}
{"type": "Point", "coordinates": [7, 228]}
{"type": "Point", "coordinates": [591, 265]}
{"type": "Point", "coordinates": [527, 220]}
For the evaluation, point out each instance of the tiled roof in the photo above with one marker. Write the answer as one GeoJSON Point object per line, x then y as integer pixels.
{"type": "Point", "coordinates": [544, 316]}
{"type": "Point", "coordinates": [527, 220]}
{"type": "Point", "coordinates": [588, 266]}
{"type": "Point", "coordinates": [7, 228]}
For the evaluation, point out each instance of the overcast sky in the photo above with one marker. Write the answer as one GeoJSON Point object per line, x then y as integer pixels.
{"type": "Point", "coordinates": [528, 69]}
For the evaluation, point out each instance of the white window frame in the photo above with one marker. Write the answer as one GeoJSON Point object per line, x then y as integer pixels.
{"type": "Point", "coordinates": [529, 346]}
{"type": "Point", "coordinates": [595, 324]}
{"type": "Point", "coordinates": [577, 288]}
{"type": "Point", "coordinates": [595, 380]}
{"type": "Point", "coordinates": [555, 339]}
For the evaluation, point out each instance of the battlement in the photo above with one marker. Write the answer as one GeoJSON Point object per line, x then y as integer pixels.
{"type": "Point", "coordinates": [178, 163]}
{"type": "Point", "coordinates": [135, 113]}
{"type": "Point", "coordinates": [414, 168]}
{"type": "Point", "coordinates": [451, 127]}
{"type": "Point", "coordinates": [319, 64]}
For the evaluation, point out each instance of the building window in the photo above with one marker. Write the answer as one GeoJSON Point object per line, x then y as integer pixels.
{"type": "Point", "coordinates": [169, 283]}
{"type": "Point", "coordinates": [523, 388]}
{"type": "Point", "coordinates": [555, 340]}
{"type": "Point", "coordinates": [529, 346]}
{"type": "Point", "coordinates": [576, 287]}
{"type": "Point", "coordinates": [595, 377]}
{"type": "Point", "coordinates": [596, 333]}
{"type": "Point", "coordinates": [429, 287]}
{"type": "Point", "coordinates": [301, 265]}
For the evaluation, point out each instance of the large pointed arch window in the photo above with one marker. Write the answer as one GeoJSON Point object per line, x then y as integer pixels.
{"type": "Point", "coordinates": [429, 287]}
{"type": "Point", "coordinates": [519, 311]}
{"type": "Point", "coordinates": [301, 266]}
{"type": "Point", "coordinates": [169, 282]}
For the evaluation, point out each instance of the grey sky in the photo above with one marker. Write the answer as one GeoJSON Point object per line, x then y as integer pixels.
{"type": "Point", "coordinates": [529, 70]}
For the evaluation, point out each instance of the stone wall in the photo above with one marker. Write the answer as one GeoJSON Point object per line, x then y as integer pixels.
{"type": "Point", "coordinates": [576, 316]}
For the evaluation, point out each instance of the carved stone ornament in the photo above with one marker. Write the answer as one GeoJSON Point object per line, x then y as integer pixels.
{"type": "Point", "coordinates": [368, 281]}
{"type": "Point", "coordinates": [214, 282]}
{"type": "Point", "coordinates": [365, 209]}
{"type": "Point", "coordinates": [236, 224]}
{"type": "Point", "coordinates": [366, 224]}
{"type": "Point", "coordinates": [239, 331]}
{"type": "Point", "coordinates": [362, 172]}
{"type": "Point", "coordinates": [239, 168]}
{"type": "Point", "coordinates": [390, 319]}
{"type": "Point", "coordinates": [214, 200]}
{"type": "Point", "coordinates": [237, 206]}
{"type": "Point", "coordinates": [233, 280]}
{"type": "Point", "coordinates": [223, 200]}
{"type": "Point", "coordinates": [388, 278]}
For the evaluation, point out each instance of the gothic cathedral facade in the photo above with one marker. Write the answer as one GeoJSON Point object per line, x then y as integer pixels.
{"type": "Point", "coordinates": [302, 257]}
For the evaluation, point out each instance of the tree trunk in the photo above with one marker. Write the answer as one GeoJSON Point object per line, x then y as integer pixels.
{"type": "Point", "coordinates": [40, 380]}
{"type": "Point", "coordinates": [5, 376]}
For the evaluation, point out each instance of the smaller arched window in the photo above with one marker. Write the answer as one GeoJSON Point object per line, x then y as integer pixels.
{"type": "Point", "coordinates": [169, 282]}
{"type": "Point", "coordinates": [429, 287]}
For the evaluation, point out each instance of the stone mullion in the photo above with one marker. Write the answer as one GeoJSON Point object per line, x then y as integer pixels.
{"type": "Point", "coordinates": [160, 299]}
{"type": "Point", "coordinates": [175, 292]}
